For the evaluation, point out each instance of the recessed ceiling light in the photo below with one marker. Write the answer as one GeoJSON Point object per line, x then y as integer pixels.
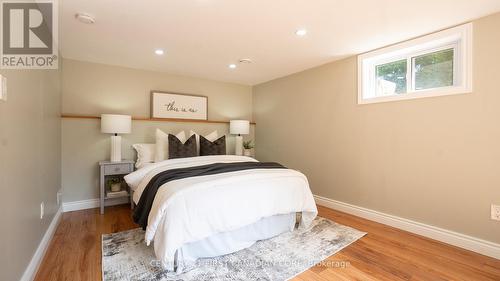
{"type": "Point", "coordinates": [301, 32]}
{"type": "Point", "coordinates": [159, 52]}
{"type": "Point", "coordinates": [232, 66]}
{"type": "Point", "coordinates": [85, 18]}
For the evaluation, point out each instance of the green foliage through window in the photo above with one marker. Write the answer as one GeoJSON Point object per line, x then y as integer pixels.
{"type": "Point", "coordinates": [394, 73]}
{"type": "Point", "coordinates": [434, 70]}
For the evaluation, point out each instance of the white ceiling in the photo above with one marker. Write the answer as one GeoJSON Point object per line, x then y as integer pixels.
{"type": "Point", "coordinates": [201, 37]}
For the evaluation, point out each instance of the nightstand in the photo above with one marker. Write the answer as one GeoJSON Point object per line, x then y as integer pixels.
{"type": "Point", "coordinates": [108, 169]}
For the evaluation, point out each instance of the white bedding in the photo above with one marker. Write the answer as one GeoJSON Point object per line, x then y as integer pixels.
{"type": "Point", "coordinates": [232, 241]}
{"type": "Point", "coordinates": [191, 209]}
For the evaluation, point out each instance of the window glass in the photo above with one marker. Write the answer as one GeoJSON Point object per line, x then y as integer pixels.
{"type": "Point", "coordinates": [391, 78]}
{"type": "Point", "coordinates": [434, 70]}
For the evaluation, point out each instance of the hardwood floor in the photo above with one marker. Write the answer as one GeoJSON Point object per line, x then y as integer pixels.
{"type": "Point", "coordinates": [385, 253]}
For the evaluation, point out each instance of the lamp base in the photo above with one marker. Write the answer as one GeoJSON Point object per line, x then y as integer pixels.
{"type": "Point", "coordinates": [116, 148]}
{"type": "Point", "coordinates": [239, 146]}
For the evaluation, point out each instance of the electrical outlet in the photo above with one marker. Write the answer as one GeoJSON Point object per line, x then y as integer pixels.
{"type": "Point", "coordinates": [42, 209]}
{"type": "Point", "coordinates": [3, 88]}
{"type": "Point", "coordinates": [495, 212]}
{"type": "Point", "coordinates": [58, 196]}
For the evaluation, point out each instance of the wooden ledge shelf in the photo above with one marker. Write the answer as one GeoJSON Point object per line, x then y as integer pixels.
{"type": "Point", "coordinates": [75, 116]}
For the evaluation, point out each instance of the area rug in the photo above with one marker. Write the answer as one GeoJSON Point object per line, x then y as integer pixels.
{"type": "Point", "coordinates": [125, 256]}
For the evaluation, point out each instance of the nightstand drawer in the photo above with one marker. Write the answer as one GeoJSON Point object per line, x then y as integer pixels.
{"type": "Point", "coordinates": [117, 169]}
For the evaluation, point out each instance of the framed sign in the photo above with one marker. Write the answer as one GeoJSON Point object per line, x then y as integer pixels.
{"type": "Point", "coordinates": [178, 106]}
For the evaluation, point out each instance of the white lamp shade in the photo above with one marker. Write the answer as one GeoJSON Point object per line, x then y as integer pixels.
{"type": "Point", "coordinates": [239, 127]}
{"type": "Point", "coordinates": [116, 124]}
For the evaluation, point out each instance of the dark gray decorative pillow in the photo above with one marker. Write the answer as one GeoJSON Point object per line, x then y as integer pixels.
{"type": "Point", "coordinates": [217, 147]}
{"type": "Point", "coordinates": [177, 149]}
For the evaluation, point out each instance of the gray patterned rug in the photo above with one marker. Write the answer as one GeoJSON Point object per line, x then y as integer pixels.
{"type": "Point", "coordinates": [125, 256]}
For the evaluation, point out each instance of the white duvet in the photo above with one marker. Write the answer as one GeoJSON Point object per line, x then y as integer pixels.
{"type": "Point", "coordinates": [192, 209]}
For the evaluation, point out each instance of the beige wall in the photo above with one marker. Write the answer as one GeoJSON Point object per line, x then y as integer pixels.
{"type": "Point", "coordinates": [92, 89]}
{"type": "Point", "coordinates": [30, 144]}
{"type": "Point", "coordinates": [433, 160]}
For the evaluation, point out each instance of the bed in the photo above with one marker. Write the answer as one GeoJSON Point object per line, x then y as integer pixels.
{"type": "Point", "coordinates": [216, 213]}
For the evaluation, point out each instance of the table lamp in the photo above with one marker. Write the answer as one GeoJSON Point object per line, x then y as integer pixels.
{"type": "Point", "coordinates": [239, 127]}
{"type": "Point", "coordinates": [116, 124]}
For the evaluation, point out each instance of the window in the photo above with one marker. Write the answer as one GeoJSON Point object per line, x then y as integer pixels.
{"type": "Point", "coordinates": [433, 65]}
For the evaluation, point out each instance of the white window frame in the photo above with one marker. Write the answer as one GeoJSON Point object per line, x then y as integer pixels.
{"type": "Point", "coordinates": [459, 38]}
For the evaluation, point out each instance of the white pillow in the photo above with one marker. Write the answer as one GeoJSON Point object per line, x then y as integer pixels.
{"type": "Point", "coordinates": [213, 136]}
{"type": "Point", "coordinates": [145, 154]}
{"type": "Point", "coordinates": [161, 152]}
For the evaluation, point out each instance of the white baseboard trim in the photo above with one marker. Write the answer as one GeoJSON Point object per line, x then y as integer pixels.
{"type": "Point", "coordinates": [80, 205]}
{"type": "Point", "coordinates": [474, 244]}
{"type": "Point", "coordinates": [90, 204]}
{"type": "Point", "coordinates": [36, 260]}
